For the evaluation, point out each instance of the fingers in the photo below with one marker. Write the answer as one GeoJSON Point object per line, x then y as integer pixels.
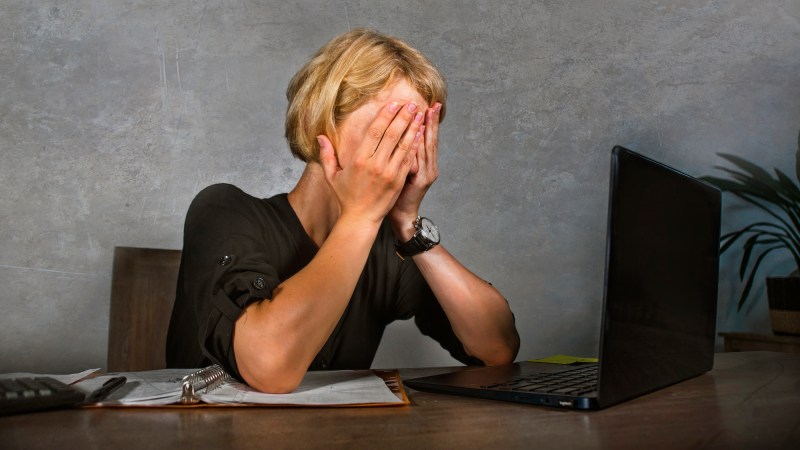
{"type": "Point", "coordinates": [393, 129]}
{"type": "Point", "coordinates": [377, 129]}
{"type": "Point", "coordinates": [432, 117]}
{"type": "Point", "coordinates": [405, 152]}
{"type": "Point", "coordinates": [327, 156]}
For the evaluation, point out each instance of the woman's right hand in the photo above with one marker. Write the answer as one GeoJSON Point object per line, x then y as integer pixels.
{"type": "Point", "coordinates": [374, 176]}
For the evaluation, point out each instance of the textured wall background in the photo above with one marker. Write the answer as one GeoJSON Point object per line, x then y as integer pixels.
{"type": "Point", "coordinates": [113, 114]}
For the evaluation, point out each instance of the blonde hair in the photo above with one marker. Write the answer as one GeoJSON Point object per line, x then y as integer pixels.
{"type": "Point", "coordinates": [344, 74]}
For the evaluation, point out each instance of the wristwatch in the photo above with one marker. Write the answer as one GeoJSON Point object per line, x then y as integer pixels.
{"type": "Point", "coordinates": [425, 237]}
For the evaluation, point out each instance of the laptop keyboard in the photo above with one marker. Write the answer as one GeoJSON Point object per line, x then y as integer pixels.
{"type": "Point", "coordinates": [18, 395]}
{"type": "Point", "coordinates": [578, 381]}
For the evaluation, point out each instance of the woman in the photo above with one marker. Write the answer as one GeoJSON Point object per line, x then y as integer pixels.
{"type": "Point", "coordinates": [271, 288]}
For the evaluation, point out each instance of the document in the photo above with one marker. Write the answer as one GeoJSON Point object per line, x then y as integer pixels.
{"type": "Point", "coordinates": [323, 388]}
{"type": "Point", "coordinates": [317, 388]}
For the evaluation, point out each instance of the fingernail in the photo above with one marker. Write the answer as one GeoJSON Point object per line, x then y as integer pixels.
{"type": "Point", "coordinates": [419, 134]}
{"type": "Point", "coordinates": [319, 141]}
{"type": "Point", "coordinates": [418, 117]}
{"type": "Point", "coordinates": [422, 129]}
{"type": "Point", "coordinates": [412, 107]}
{"type": "Point", "coordinates": [393, 107]}
{"type": "Point", "coordinates": [438, 107]}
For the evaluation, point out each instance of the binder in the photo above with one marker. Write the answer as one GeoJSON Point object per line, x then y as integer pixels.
{"type": "Point", "coordinates": [208, 379]}
{"type": "Point", "coordinates": [213, 387]}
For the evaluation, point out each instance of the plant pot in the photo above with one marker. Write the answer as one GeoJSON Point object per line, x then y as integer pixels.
{"type": "Point", "coordinates": [783, 295]}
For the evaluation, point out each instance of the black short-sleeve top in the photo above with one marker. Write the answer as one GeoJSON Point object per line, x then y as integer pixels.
{"type": "Point", "coordinates": [238, 248]}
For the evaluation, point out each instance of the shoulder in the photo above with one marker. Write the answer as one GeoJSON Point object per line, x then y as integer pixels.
{"type": "Point", "coordinates": [220, 193]}
{"type": "Point", "coordinates": [224, 198]}
{"type": "Point", "coordinates": [224, 207]}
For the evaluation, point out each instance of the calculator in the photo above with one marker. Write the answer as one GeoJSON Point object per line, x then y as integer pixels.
{"type": "Point", "coordinates": [19, 395]}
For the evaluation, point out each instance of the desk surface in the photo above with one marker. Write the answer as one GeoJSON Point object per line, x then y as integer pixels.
{"type": "Point", "coordinates": [752, 342]}
{"type": "Point", "coordinates": [749, 400]}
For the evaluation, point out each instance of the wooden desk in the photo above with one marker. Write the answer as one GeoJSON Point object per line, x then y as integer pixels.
{"type": "Point", "coordinates": [749, 400]}
{"type": "Point", "coordinates": [751, 342]}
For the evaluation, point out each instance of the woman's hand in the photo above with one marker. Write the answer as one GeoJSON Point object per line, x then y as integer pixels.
{"type": "Point", "coordinates": [406, 208]}
{"type": "Point", "coordinates": [370, 183]}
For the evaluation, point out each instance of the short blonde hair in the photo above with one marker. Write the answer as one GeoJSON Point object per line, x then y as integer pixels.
{"type": "Point", "coordinates": [346, 73]}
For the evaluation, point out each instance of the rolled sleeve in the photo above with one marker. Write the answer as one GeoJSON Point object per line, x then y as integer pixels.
{"type": "Point", "coordinates": [235, 283]}
{"type": "Point", "coordinates": [239, 281]}
{"type": "Point", "coordinates": [224, 268]}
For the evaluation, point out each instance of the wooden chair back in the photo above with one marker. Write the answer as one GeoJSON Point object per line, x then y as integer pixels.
{"type": "Point", "coordinates": [142, 294]}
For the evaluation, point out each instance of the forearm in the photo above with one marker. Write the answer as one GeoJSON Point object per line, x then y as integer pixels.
{"type": "Point", "coordinates": [275, 340]}
{"type": "Point", "coordinates": [478, 313]}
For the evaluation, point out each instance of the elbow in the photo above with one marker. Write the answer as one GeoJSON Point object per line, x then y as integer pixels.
{"type": "Point", "coordinates": [271, 372]}
{"type": "Point", "coordinates": [270, 377]}
{"type": "Point", "coordinates": [512, 348]}
{"type": "Point", "coordinates": [265, 364]}
{"type": "Point", "coordinates": [501, 357]}
{"type": "Point", "coordinates": [273, 386]}
{"type": "Point", "coordinates": [502, 353]}
{"type": "Point", "coordinates": [508, 352]}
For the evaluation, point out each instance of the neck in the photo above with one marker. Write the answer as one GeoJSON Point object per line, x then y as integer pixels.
{"type": "Point", "coordinates": [314, 203]}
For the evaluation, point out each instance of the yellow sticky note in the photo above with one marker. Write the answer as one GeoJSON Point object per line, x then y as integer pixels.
{"type": "Point", "coordinates": [564, 359]}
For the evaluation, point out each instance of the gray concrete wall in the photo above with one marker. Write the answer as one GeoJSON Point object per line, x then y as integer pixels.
{"type": "Point", "coordinates": [113, 114]}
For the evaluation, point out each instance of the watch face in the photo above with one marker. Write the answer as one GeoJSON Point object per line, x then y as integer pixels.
{"type": "Point", "coordinates": [428, 230]}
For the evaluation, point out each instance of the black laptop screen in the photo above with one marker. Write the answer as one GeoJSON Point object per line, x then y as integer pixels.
{"type": "Point", "coordinates": [661, 275]}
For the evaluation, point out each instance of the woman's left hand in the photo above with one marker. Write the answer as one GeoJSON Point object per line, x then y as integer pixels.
{"type": "Point", "coordinates": [406, 209]}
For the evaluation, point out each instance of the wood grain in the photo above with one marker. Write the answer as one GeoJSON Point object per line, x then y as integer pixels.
{"type": "Point", "coordinates": [749, 400]}
{"type": "Point", "coordinates": [142, 294]}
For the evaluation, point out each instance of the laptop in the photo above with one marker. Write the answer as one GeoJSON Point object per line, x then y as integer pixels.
{"type": "Point", "coordinates": [659, 303]}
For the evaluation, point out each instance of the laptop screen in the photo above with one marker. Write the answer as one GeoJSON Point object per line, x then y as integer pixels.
{"type": "Point", "coordinates": [662, 262]}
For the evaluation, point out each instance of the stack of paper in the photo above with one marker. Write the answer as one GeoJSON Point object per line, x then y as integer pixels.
{"type": "Point", "coordinates": [326, 388]}
{"type": "Point", "coordinates": [150, 388]}
{"type": "Point", "coordinates": [317, 388]}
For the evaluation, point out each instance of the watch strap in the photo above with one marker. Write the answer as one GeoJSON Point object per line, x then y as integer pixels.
{"type": "Point", "coordinates": [417, 244]}
{"type": "Point", "coordinates": [413, 246]}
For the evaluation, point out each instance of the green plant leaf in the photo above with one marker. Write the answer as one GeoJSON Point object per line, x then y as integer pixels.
{"type": "Point", "coordinates": [755, 172]}
{"type": "Point", "coordinates": [788, 187]}
{"type": "Point", "coordinates": [730, 238]}
{"type": "Point", "coordinates": [760, 183]}
{"type": "Point", "coordinates": [722, 183]}
{"type": "Point", "coordinates": [749, 284]}
{"type": "Point", "coordinates": [748, 250]}
{"type": "Point", "coordinates": [745, 186]}
{"type": "Point", "coordinates": [790, 229]}
{"type": "Point", "coordinates": [797, 159]}
{"type": "Point", "coordinates": [766, 191]}
{"type": "Point", "coordinates": [751, 244]}
{"type": "Point", "coordinates": [778, 197]}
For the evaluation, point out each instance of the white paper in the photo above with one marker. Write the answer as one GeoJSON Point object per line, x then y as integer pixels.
{"type": "Point", "coordinates": [318, 388]}
{"type": "Point", "coordinates": [152, 388]}
{"type": "Point", "coordinates": [163, 387]}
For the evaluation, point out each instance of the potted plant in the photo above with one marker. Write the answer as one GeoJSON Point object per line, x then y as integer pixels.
{"type": "Point", "coordinates": [779, 198]}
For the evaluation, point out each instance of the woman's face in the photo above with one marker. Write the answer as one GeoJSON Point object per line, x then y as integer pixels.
{"type": "Point", "coordinates": [354, 127]}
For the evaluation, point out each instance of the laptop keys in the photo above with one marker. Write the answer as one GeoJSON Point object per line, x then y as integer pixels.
{"type": "Point", "coordinates": [574, 382]}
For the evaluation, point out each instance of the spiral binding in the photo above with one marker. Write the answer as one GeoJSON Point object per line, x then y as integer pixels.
{"type": "Point", "coordinates": [209, 379]}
